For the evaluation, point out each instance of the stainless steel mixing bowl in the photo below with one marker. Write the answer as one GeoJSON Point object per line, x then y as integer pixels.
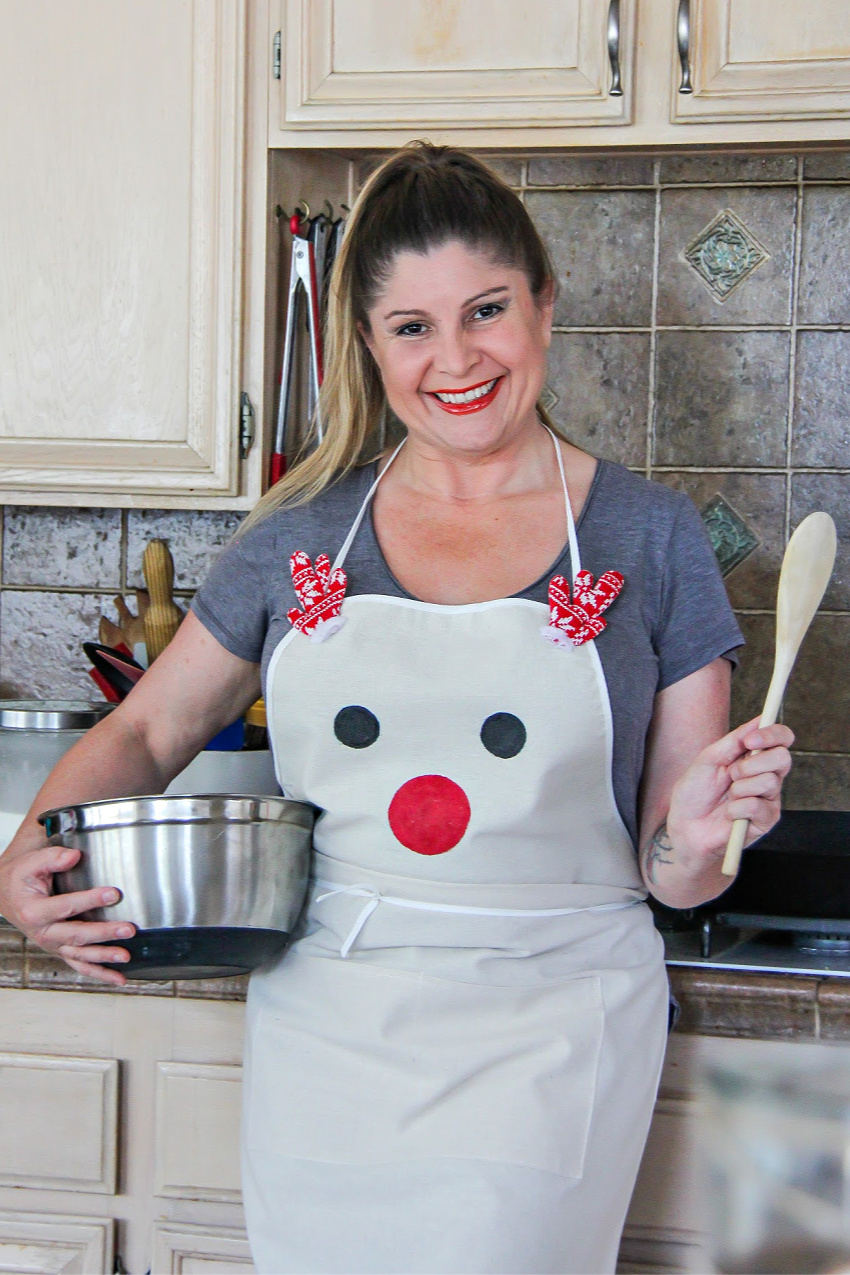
{"type": "Point", "coordinates": [214, 883]}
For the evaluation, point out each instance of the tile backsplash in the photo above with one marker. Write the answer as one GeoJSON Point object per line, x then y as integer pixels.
{"type": "Point", "coordinates": [702, 338]}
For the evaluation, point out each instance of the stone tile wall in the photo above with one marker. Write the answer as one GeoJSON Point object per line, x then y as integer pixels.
{"type": "Point", "coordinates": [703, 332]}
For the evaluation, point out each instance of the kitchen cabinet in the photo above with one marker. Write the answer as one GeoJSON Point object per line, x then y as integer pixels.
{"type": "Point", "coordinates": [119, 1134]}
{"type": "Point", "coordinates": [497, 75]}
{"type": "Point", "coordinates": [753, 60]}
{"type": "Point", "coordinates": [132, 210]}
{"type": "Point", "coordinates": [354, 64]}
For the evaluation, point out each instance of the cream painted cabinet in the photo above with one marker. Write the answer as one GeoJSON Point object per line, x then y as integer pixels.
{"type": "Point", "coordinates": [498, 74]}
{"type": "Point", "coordinates": [123, 250]}
{"type": "Point", "coordinates": [422, 64]}
{"type": "Point", "coordinates": [766, 60]}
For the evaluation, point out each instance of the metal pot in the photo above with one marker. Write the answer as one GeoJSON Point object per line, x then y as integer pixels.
{"type": "Point", "coordinates": [214, 883]}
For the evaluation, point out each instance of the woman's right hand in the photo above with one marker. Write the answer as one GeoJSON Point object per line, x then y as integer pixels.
{"type": "Point", "coordinates": [27, 900]}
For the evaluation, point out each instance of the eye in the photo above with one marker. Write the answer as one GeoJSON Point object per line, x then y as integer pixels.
{"type": "Point", "coordinates": [488, 311]}
{"type": "Point", "coordinates": [356, 727]}
{"type": "Point", "coordinates": [411, 329]}
{"type": "Point", "coordinates": [503, 735]}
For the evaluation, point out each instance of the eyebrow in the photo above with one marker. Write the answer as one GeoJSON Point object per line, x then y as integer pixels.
{"type": "Point", "coordinates": [503, 287]}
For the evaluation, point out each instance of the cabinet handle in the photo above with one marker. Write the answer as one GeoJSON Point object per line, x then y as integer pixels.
{"type": "Point", "coordinates": [616, 89]}
{"type": "Point", "coordinates": [683, 42]}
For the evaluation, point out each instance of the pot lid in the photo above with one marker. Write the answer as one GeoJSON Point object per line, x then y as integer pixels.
{"type": "Point", "coordinates": [50, 714]}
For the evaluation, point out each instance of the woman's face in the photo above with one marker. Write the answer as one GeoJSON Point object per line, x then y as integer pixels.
{"type": "Point", "coordinates": [461, 344]}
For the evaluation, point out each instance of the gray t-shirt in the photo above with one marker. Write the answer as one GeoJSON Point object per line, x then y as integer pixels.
{"type": "Point", "coordinates": [672, 617]}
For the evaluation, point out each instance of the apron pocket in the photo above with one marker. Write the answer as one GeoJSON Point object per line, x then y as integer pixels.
{"type": "Point", "coordinates": [355, 1064]}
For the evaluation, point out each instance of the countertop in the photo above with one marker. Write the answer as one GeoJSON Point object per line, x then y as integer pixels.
{"type": "Point", "coordinates": [713, 1002]}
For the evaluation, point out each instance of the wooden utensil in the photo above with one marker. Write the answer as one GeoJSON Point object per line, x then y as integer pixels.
{"type": "Point", "coordinates": [805, 573]}
{"type": "Point", "coordinates": [110, 634]}
{"type": "Point", "coordinates": [162, 619]}
{"type": "Point", "coordinates": [132, 626]}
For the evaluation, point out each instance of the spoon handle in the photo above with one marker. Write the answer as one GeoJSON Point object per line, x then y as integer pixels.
{"type": "Point", "coordinates": [770, 712]}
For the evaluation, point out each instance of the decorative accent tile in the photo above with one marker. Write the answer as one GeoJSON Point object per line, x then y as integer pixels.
{"type": "Point", "coordinates": [548, 398]}
{"type": "Point", "coordinates": [725, 254]}
{"type": "Point", "coordinates": [732, 539]}
{"type": "Point", "coordinates": [759, 499]}
{"type": "Point", "coordinates": [690, 212]}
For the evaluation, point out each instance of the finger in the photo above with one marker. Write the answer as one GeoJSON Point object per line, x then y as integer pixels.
{"type": "Point", "coordinates": [113, 977]}
{"type": "Point", "coordinates": [727, 749]}
{"type": "Point", "coordinates": [763, 814]}
{"type": "Point", "coordinates": [777, 760]}
{"type": "Point", "coordinates": [76, 934]}
{"type": "Point", "coordinates": [44, 862]}
{"type": "Point", "coordinates": [58, 907]}
{"type": "Point", "coordinates": [767, 785]}
{"type": "Point", "coordinates": [776, 736]}
{"type": "Point", "coordinates": [92, 955]}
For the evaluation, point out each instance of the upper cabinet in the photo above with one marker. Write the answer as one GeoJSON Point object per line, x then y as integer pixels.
{"type": "Point", "coordinates": [558, 73]}
{"type": "Point", "coordinates": [420, 64]}
{"type": "Point", "coordinates": [121, 250]}
{"type": "Point", "coordinates": [764, 59]}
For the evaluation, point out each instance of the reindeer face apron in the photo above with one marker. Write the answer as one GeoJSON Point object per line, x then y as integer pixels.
{"type": "Point", "coordinates": [453, 1069]}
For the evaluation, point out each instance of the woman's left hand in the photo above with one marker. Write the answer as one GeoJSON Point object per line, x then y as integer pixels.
{"type": "Point", "coordinates": [738, 777]}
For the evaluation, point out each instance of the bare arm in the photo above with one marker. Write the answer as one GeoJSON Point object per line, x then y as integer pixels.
{"type": "Point", "coordinates": [195, 688]}
{"type": "Point", "coordinates": [697, 779]}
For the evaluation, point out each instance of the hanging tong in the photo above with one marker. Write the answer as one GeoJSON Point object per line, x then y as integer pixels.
{"type": "Point", "coordinates": [302, 277]}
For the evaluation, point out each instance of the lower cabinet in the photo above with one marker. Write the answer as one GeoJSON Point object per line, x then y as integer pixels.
{"type": "Point", "coordinates": [119, 1140]}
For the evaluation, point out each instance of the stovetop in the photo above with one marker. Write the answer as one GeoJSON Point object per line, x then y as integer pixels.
{"type": "Point", "coordinates": [787, 911]}
{"type": "Point", "coordinates": [753, 947]}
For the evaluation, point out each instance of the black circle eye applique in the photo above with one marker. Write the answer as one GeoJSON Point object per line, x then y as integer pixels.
{"type": "Point", "coordinates": [503, 735]}
{"type": "Point", "coordinates": [356, 727]}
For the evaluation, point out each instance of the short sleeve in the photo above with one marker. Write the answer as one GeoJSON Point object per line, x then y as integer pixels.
{"type": "Point", "coordinates": [233, 601]}
{"type": "Point", "coordinates": [696, 623]}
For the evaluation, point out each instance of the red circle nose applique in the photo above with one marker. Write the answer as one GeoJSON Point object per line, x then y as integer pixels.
{"type": "Point", "coordinates": [429, 814]}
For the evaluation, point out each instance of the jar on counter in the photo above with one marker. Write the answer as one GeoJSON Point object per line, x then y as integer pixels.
{"type": "Point", "coordinates": [34, 734]}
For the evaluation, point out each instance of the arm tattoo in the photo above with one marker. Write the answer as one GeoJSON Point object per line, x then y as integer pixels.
{"type": "Point", "coordinates": [659, 850]}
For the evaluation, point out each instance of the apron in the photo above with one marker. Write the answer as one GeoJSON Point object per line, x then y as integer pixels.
{"type": "Point", "coordinates": [454, 1066]}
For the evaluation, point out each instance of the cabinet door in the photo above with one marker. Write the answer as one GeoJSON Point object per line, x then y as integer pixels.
{"type": "Point", "coordinates": [766, 59]}
{"type": "Point", "coordinates": [120, 225]}
{"type": "Point", "coordinates": [181, 1249]}
{"type": "Point", "coordinates": [54, 1245]}
{"type": "Point", "coordinates": [351, 64]}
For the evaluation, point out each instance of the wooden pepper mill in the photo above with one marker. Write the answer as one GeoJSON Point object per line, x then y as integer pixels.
{"type": "Point", "coordinates": [163, 616]}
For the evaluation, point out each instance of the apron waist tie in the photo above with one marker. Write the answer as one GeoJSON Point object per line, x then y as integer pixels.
{"type": "Point", "coordinates": [374, 898]}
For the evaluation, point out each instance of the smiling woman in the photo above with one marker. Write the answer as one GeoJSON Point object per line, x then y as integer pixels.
{"type": "Point", "coordinates": [505, 691]}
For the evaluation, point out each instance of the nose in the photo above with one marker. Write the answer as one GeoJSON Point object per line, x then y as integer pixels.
{"type": "Point", "coordinates": [455, 356]}
{"type": "Point", "coordinates": [429, 814]}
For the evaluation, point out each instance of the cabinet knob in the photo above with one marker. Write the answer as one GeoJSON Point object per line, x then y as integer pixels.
{"type": "Point", "coordinates": [683, 43]}
{"type": "Point", "coordinates": [616, 89]}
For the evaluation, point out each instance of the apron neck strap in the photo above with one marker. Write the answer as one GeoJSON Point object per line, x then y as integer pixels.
{"type": "Point", "coordinates": [367, 499]}
{"type": "Point", "coordinates": [572, 538]}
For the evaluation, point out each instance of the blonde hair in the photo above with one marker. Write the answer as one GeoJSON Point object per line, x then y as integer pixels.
{"type": "Point", "coordinates": [420, 198]}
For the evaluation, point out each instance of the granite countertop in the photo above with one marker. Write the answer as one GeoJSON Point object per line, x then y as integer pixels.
{"type": "Point", "coordinates": [713, 1002]}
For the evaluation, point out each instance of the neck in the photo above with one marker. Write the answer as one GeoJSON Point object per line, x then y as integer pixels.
{"type": "Point", "coordinates": [516, 466]}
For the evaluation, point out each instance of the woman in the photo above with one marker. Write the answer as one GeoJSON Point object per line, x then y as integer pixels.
{"type": "Point", "coordinates": [515, 674]}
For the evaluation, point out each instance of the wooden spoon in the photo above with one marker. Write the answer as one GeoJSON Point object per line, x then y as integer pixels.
{"type": "Point", "coordinates": [805, 573]}
{"type": "Point", "coordinates": [162, 619]}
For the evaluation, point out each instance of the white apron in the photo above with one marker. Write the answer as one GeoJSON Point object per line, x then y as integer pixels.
{"type": "Point", "coordinates": [453, 1069]}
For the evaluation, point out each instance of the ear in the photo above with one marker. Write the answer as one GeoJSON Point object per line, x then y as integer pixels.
{"type": "Point", "coordinates": [368, 339]}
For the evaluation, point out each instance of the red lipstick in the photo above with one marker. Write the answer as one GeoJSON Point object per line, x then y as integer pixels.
{"type": "Point", "coordinates": [475, 404]}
